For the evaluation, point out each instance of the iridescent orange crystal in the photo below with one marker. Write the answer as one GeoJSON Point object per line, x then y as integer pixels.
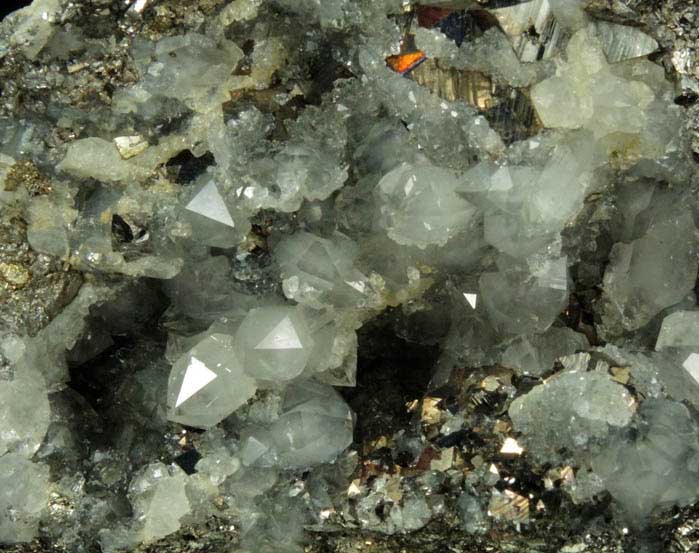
{"type": "Point", "coordinates": [404, 63]}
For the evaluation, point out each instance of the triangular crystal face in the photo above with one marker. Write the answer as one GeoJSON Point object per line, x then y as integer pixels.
{"type": "Point", "coordinates": [195, 378]}
{"type": "Point", "coordinates": [691, 365]}
{"type": "Point", "coordinates": [316, 261]}
{"type": "Point", "coordinates": [209, 203]}
{"type": "Point", "coordinates": [282, 336]}
{"type": "Point", "coordinates": [472, 299]}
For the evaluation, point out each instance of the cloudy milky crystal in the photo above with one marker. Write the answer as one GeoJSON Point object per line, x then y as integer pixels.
{"type": "Point", "coordinates": [24, 405]}
{"type": "Point", "coordinates": [570, 410]}
{"type": "Point", "coordinates": [655, 464]}
{"type": "Point", "coordinates": [679, 329]}
{"type": "Point", "coordinates": [621, 42]}
{"type": "Point", "coordinates": [319, 271]}
{"type": "Point", "coordinates": [652, 272]}
{"type": "Point", "coordinates": [519, 301]}
{"type": "Point", "coordinates": [274, 343]}
{"type": "Point", "coordinates": [24, 489]}
{"type": "Point", "coordinates": [213, 212]}
{"type": "Point", "coordinates": [606, 99]}
{"type": "Point", "coordinates": [314, 427]}
{"type": "Point", "coordinates": [420, 206]}
{"type": "Point", "coordinates": [208, 383]}
{"type": "Point", "coordinates": [210, 217]}
{"type": "Point", "coordinates": [159, 493]}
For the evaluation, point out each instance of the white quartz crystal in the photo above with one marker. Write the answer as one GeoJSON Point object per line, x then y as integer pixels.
{"type": "Point", "coordinates": [651, 273]}
{"type": "Point", "coordinates": [535, 354]}
{"type": "Point", "coordinates": [192, 68]}
{"type": "Point", "coordinates": [621, 42]}
{"type": "Point", "coordinates": [159, 500]}
{"type": "Point", "coordinates": [679, 329]}
{"type": "Point", "coordinates": [319, 271]}
{"type": "Point", "coordinates": [614, 103]}
{"type": "Point", "coordinates": [656, 466]}
{"type": "Point", "coordinates": [520, 300]}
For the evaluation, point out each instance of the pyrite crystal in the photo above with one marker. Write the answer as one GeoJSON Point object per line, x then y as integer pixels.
{"type": "Point", "coordinates": [287, 275]}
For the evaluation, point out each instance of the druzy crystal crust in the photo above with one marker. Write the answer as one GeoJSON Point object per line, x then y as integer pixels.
{"type": "Point", "coordinates": [283, 276]}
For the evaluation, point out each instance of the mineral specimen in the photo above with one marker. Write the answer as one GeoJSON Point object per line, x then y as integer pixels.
{"type": "Point", "coordinates": [337, 275]}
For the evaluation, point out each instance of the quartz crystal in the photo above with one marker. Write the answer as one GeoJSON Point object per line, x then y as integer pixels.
{"type": "Point", "coordinates": [24, 495]}
{"type": "Point", "coordinates": [420, 206]}
{"type": "Point", "coordinates": [582, 408]}
{"type": "Point", "coordinates": [274, 343]}
{"type": "Point", "coordinates": [315, 425]}
{"type": "Point", "coordinates": [652, 272]}
{"type": "Point", "coordinates": [208, 383]}
{"type": "Point", "coordinates": [679, 329]}
{"type": "Point", "coordinates": [265, 288]}
{"type": "Point", "coordinates": [24, 405]}
{"type": "Point", "coordinates": [519, 301]}
{"type": "Point", "coordinates": [210, 217]}
{"type": "Point", "coordinates": [656, 465]}
{"type": "Point", "coordinates": [320, 271]}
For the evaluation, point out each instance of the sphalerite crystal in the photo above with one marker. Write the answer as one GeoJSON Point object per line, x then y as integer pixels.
{"type": "Point", "coordinates": [277, 274]}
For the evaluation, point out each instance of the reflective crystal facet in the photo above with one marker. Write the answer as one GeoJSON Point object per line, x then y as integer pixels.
{"type": "Point", "coordinates": [274, 343]}
{"type": "Point", "coordinates": [208, 383]}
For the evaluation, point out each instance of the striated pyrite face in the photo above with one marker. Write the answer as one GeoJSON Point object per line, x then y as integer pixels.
{"type": "Point", "coordinates": [285, 276]}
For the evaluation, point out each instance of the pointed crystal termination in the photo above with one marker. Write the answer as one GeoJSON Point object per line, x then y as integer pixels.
{"type": "Point", "coordinates": [274, 343]}
{"type": "Point", "coordinates": [282, 336]}
{"type": "Point", "coordinates": [621, 42]}
{"type": "Point", "coordinates": [209, 203]}
{"type": "Point", "coordinates": [158, 495]}
{"type": "Point", "coordinates": [472, 299]}
{"type": "Point", "coordinates": [208, 383]}
{"type": "Point", "coordinates": [196, 376]}
{"type": "Point", "coordinates": [211, 218]}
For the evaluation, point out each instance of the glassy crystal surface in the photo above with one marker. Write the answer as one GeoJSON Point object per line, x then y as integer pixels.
{"type": "Point", "coordinates": [24, 405]}
{"type": "Point", "coordinates": [24, 497]}
{"type": "Point", "coordinates": [420, 206]}
{"type": "Point", "coordinates": [315, 425]}
{"type": "Point", "coordinates": [320, 271]}
{"type": "Point", "coordinates": [656, 465]}
{"type": "Point", "coordinates": [274, 343]}
{"type": "Point", "coordinates": [260, 283]}
{"type": "Point", "coordinates": [208, 383]}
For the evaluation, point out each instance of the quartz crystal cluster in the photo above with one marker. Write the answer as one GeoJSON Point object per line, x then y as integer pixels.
{"type": "Point", "coordinates": [280, 274]}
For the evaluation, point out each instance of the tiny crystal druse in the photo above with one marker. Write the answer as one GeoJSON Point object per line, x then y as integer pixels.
{"type": "Point", "coordinates": [272, 269]}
